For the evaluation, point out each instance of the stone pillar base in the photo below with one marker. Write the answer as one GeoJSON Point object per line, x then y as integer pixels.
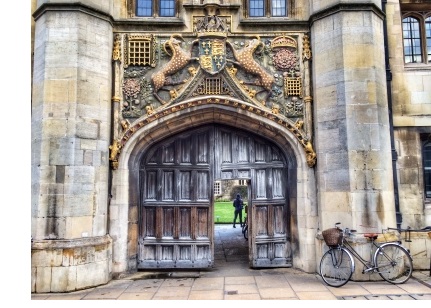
{"type": "Point", "coordinates": [70, 265]}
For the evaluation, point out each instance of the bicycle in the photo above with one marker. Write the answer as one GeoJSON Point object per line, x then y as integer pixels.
{"type": "Point", "coordinates": [390, 260]}
{"type": "Point", "coordinates": [244, 229]}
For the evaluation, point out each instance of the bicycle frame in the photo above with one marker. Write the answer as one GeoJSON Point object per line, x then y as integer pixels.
{"type": "Point", "coordinates": [370, 266]}
{"type": "Point", "coordinates": [391, 260]}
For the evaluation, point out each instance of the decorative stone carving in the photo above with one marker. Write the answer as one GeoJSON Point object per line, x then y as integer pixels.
{"type": "Point", "coordinates": [285, 60]}
{"type": "Point", "coordinates": [244, 58]}
{"type": "Point", "coordinates": [125, 124]}
{"type": "Point", "coordinates": [115, 152]}
{"type": "Point", "coordinates": [306, 51]}
{"type": "Point", "coordinates": [265, 74]}
{"type": "Point", "coordinates": [116, 52]}
{"type": "Point", "coordinates": [310, 154]}
{"type": "Point", "coordinates": [179, 59]}
{"type": "Point", "coordinates": [299, 124]}
{"type": "Point", "coordinates": [131, 88]}
{"type": "Point", "coordinates": [140, 50]}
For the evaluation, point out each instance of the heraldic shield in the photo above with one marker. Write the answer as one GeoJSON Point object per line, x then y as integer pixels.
{"type": "Point", "coordinates": [212, 54]}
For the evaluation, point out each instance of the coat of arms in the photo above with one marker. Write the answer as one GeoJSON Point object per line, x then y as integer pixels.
{"type": "Point", "coordinates": [212, 54]}
{"type": "Point", "coordinates": [212, 35]}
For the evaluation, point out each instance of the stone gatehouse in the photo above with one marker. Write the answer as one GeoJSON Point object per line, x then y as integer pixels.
{"type": "Point", "coordinates": [139, 107]}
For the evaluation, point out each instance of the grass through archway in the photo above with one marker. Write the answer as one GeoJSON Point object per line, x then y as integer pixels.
{"type": "Point", "coordinates": [223, 212]}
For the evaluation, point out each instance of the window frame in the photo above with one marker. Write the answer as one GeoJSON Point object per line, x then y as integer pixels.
{"type": "Point", "coordinates": [421, 17]}
{"type": "Point", "coordinates": [267, 9]}
{"type": "Point", "coordinates": [426, 161]}
{"type": "Point", "coordinates": [217, 188]}
{"type": "Point", "coordinates": [156, 8]}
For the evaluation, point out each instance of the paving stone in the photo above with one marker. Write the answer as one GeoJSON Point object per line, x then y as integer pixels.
{"type": "Point", "coordinates": [421, 296]}
{"type": "Point", "coordinates": [354, 298]}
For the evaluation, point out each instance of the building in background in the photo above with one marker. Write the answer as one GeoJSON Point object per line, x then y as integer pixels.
{"type": "Point", "coordinates": [140, 107]}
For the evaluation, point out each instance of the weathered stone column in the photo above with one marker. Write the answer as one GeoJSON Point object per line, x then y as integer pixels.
{"type": "Point", "coordinates": [352, 139]}
{"type": "Point", "coordinates": [71, 115]}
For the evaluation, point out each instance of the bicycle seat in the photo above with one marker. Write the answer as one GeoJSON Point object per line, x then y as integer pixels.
{"type": "Point", "coordinates": [371, 235]}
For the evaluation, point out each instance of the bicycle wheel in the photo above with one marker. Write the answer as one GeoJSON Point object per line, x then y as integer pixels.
{"type": "Point", "coordinates": [394, 263]}
{"type": "Point", "coordinates": [245, 231]}
{"type": "Point", "coordinates": [336, 267]}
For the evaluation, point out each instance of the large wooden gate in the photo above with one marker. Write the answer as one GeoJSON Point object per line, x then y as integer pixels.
{"type": "Point", "coordinates": [176, 189]}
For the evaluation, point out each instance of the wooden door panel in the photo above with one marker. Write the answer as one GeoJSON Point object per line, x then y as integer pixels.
{"type": "Point", "coordinates": [185, 223]}
{"type": "Point", "coordinates": [149, 226]}
{"type": "Point", "coordinates": [168, 185]}
{"type": "Point", "coordinates": [186, 155]}
{"type": "Point", "coordinates": [185, 252]}
{"type": "Point", "coordinates": [260, 221]}
{"type": "Point", "coordinates": [226, 147]}
{"type": "Point", "coordinates": [168, 222]}
{"type": "Point", "coordinates": [272, 254]}
{"type": "Point", "coordinates": [278, 187]}
{"type": "Point", "coordinates": [279, 225]}
{"type": "Point", "coordinates": [176, 216]}
{"type": "Point", "coordinates": [203, 221]}
{"type": "Point", "coordinates": [168, 153]}
{"type": "Point", "coordinates": [243, 150]}
{"type": "Point", "coordinates": [202, 148]}
{"type": "Point", "coordinates": [261, 184]}
{"type": "Point", "coordinates": [151, 185]}
{"type": "Point", "coordinates": [185, 185]}
{"type": "Point", "coordinates": [204, 187]}
{"type": "Point", "coordinates": [202, 253]}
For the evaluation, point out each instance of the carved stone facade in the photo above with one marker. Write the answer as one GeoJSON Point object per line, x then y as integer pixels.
{"type": "Point", "coordinates": [312, 84]}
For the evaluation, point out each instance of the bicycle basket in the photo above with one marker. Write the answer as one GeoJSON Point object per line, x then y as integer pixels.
{"type": "Point", "coordinates": [332, 236]}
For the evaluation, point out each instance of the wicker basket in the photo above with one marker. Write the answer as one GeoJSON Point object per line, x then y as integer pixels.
{"type": "Point", "coordinates": [332, 236]}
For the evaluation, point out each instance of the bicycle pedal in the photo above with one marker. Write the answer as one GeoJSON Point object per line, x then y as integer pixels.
{"type": "Point", "coordinates": [365, 271]}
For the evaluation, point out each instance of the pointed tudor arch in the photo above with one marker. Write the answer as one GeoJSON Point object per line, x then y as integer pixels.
{"type": "Point", "coordinates": [184, 116]}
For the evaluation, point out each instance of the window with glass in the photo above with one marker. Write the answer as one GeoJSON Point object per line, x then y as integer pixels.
{"type": "Point", "coordinates": [161, 8]}
{"type": "Point", "coordinates": [427, 168]}
{"type": "Point", "coordinates": [417, 37]}
{"type": "Point", "coordinates": [266, 8]}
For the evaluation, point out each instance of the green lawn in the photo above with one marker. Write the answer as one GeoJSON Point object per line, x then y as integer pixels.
{"type": "Point", "coordinates": [224, 212]}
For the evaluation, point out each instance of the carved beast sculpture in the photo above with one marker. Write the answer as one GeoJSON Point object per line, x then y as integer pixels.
{"type": "Point", "coordinates": [244, 58]}
{"type": "Point", "coordinates": [179, 60]}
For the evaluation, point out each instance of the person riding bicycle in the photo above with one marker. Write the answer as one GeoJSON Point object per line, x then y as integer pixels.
{"type": "Point", "coordinates": [238, 204]}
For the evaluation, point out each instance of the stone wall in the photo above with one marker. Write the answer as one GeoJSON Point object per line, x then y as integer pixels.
{"type": "Point", "coordinates": [411, 108]}
{"type": "Point", "coordinates": [71, 114]}
{"type": "Point", "coordinates": [351, 118]}
{"type": "Point", "coordinates": [70, 265]}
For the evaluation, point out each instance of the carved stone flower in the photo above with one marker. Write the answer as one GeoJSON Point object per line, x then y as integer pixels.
{"type": "Point", "coordinates": [285, 60]}
{"type": "Point", "coordinates": [131, 87]}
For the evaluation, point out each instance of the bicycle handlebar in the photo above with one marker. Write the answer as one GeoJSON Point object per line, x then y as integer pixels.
{"type": "Point", "coordinates": [346, 230]}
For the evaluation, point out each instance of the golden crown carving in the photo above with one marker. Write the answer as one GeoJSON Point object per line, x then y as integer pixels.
{"type": "Point", "coordinates": [283, 41]}
{"type": "Point", "coordinates": [212, 32]}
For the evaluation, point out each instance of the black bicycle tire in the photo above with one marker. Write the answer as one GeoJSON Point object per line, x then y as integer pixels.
{"type": "Point", "coordinates": [245, 231]}
{"type": "Point", "coordinates": [328, 269]}
{"type": "Point", "coordinates": [395, 272]}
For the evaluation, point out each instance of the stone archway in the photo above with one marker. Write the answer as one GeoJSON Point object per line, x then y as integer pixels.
{"type": "Point", "coordinates": [123, 215]}
{"type": "Point", "coordinates": [176, 208]}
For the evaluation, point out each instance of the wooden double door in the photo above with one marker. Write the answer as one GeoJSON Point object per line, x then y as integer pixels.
{"type": "Point", "coordinates": [176, 212]}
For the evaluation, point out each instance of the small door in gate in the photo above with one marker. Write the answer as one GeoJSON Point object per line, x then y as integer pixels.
{"type": "Point", "coordinates": [242, 155]}
{"type": "Point", "coordinates": [269, 242]}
